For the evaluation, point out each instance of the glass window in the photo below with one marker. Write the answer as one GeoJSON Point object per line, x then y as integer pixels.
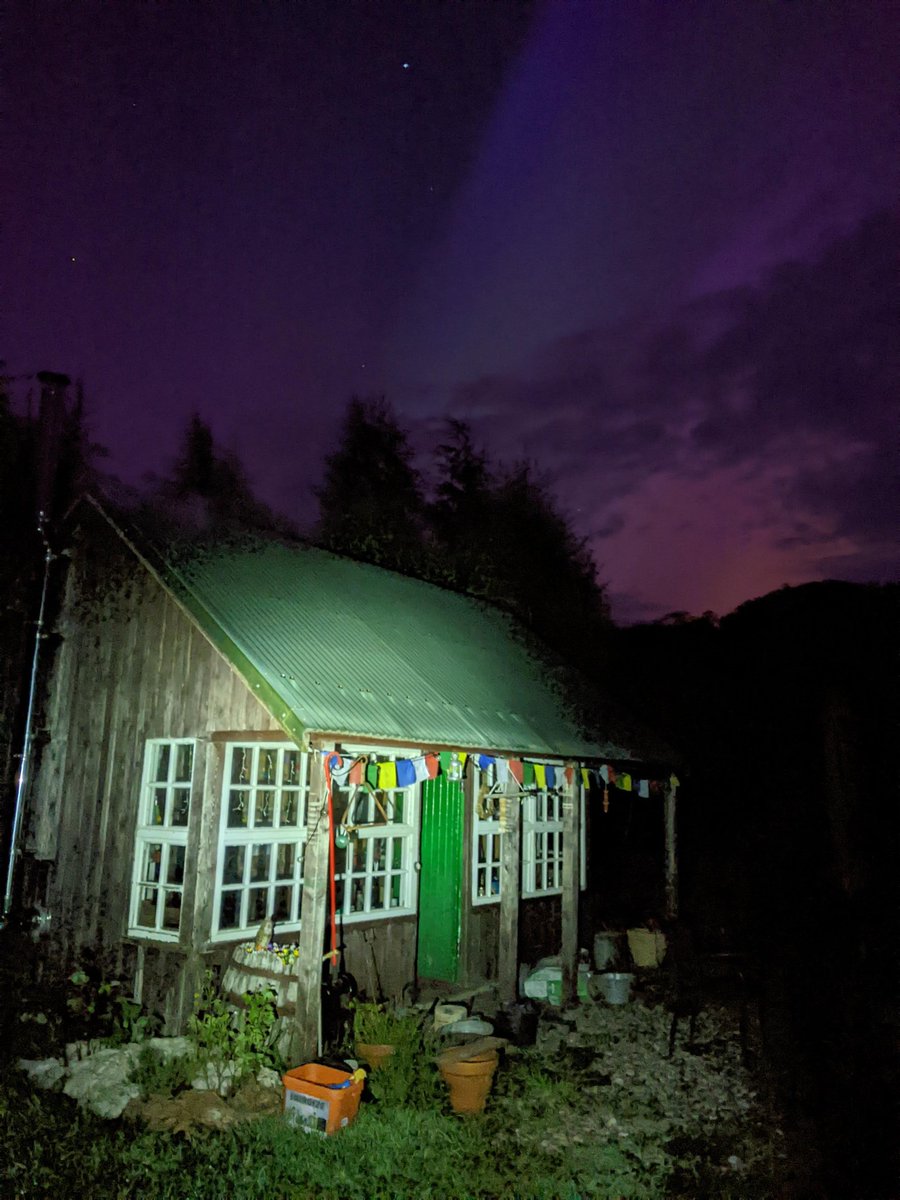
{"type": "Point", "coordinates": [262, 838]}
{"type": "Point", "coordinates": [542, 841]}
{"type": "Point", "coordinates": [374, 871]}
{"type": "Point", "coordinates": [164, 808]}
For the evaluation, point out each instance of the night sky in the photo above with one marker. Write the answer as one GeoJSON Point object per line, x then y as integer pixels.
{"type": "Point", "coordinates": [650, 246]}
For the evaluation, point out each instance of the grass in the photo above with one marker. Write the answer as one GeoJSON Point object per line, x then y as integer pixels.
{"type": "Point", "coordinates": [512, 1151]}
{"type": "Point", "coordinates": [595, 1113]}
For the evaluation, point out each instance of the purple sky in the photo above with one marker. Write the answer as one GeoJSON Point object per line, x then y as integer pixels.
{"type": "Point", "coordinates": [567, 225]}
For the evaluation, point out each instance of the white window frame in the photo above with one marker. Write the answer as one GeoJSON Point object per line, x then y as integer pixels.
{"type": "Point", "coordinates": [489, 828]}
{"type": "Point", "coordinates": [486, 872]}
{"type": "Point", "coordinates": [158, 840]}
{"type": "Point", "coordinates": [362, 845]}
{"type": "Point", "coordinates": [542, 843]}
{"type": "Point", "coordinates": [247, 859]}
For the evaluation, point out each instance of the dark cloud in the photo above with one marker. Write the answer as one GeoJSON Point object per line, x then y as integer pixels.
{"type": "Point", "coordinates": [775, 403]}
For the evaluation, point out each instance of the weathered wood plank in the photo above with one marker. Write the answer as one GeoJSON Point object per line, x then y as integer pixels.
{"type": "Point", "coordinates": [570, 883]}
{"type": "Point", "coordinates": [308, 1016]}
{"type": "Point", "coordinates": [510, 889]}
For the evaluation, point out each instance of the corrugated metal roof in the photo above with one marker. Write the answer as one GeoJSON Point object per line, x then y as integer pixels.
{"type": "Point", "coordinates": [354, 649]}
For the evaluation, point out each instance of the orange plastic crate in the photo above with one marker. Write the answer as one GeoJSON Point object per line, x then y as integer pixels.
{"type": "Point", "coordinates": [312, 1101]}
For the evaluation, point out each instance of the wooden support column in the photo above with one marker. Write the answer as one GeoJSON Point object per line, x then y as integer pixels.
{"type": "Point", "coordinates": [571, 881]}
{"type": "Point", "coordinates": [671, 849]}
{"type": "Point", "coordinates": [510, 888]}
{"type": "Point", "coordinates": [198, 898]}
{"type": "Point", "coordinates": [308, 1015]}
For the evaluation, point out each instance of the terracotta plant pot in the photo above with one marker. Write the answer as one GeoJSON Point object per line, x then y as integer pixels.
{"type": "Point", "coordinates": [374, 1054]}
{"type": "Point", "coordinates": [469, 1081]}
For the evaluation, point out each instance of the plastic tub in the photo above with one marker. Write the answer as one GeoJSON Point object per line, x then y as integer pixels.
{"type": "Point", "coordinates": [320, 1099]}
{"type": "Point", "coordinates": [470, 1026]}
{"type": "Point", "coordinates": [448, 1014]}
{"type": "Point", "coordinates": [615, 986]}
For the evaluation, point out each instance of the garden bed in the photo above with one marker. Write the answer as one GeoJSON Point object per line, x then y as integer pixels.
{"type": "Point", "coordinates": [594, 1109]}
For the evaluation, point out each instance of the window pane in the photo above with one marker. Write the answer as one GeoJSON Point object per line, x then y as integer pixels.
{"type": "Point", "coordinates": [283, 898]}
{"type": "Point", "coordinates": [241, 757]}
{"type": "Point", "coordinates": [147, 908]}
{"type": "Point", "coordinates": [259, 863]}
{"type": "Point", "coordinates": [340, 859]}
{"type": "Point", "coordinates": [482, 848]}
{"type": "Point", "coordinates": [289, 808]}
{"type": "Point", "coordinates": [150, 861]}
{"type": "Point", "coordinates": [230, 910]}
{"type": "Point", "coordinates": [266, 770]}
{"type": "Point", "coordinates": [290, 768]}
{"type": "Point", "coordinates": [233, 869]}
{"type": "Point", "coordinates": [158, 816]}
{"type": "Point", "coordinates": [285, 857]}
{"type": "Point", "coordinates": [181, 805]}
{"type": "Point", "coordinates": [162, 763]}
{"type": "Point", "coordinates": [237, 808]}
{"type": "Point", "coordinates": [399, 800]}
{"type": "Point", "coordinates": [378, 892]}
{"type": "Point", "coordinates": [172, 911]}
{"type": "Point", "coordinates": [184, 761]}
{"type": "Point", "coordinates": [175, 867]}
{"type": "Point", "coordinates": [397, 853]}
{"type": "Point", "coordinates": [378, 853]}
{"type": "Point", "coordinates": [259, 905]}
{"type": "Point", "coordinates": [265, 809]}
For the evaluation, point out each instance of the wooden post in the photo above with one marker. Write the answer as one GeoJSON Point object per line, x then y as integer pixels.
{"type": "Point", "coordinates": [571, 881]}
{"type": "Point", "coordinates": [510, 887]}
{"type": "Point", "coordinates": [671, 850]}
{"type": "Point", "coordinates": [308, 1014]}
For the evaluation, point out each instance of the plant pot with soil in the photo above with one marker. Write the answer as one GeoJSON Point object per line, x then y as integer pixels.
{"type": "Point", "coordinates": [377, 1032]}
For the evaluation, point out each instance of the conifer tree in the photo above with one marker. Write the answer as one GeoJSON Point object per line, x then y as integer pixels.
{"type": "Point", "coordinates": [370, 501]}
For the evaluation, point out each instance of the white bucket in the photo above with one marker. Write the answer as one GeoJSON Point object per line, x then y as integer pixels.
{"type": "Point", "coordinates": [606, 949]}
{"type": "Point", "coordinates": [615, 986]}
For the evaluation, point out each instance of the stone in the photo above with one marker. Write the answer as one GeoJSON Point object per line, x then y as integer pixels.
{"type": "Point", "coordinates": [101, 1082]}
{"type": "Point", "coordinates": [43, 1072]}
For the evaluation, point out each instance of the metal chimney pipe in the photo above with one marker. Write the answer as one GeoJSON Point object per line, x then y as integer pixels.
{"type": "Point", "coordinates": [25, 761]}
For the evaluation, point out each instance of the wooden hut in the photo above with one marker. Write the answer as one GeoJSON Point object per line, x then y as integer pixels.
{"type": "Point", "coordinates": [216, 713]}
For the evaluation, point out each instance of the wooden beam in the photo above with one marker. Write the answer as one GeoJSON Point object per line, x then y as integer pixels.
{"type": "Point", "coordinates": [308, 1013]}
{"type": "Point", "coordinates": [671, 849]}
{"type": "Point", "coordinates": [571, 882]}
{"type": "Point", "coordinates": [510, 889]}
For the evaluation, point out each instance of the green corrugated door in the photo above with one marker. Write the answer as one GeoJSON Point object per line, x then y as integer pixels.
{"type": "Point", "coordinates": [440, 880]}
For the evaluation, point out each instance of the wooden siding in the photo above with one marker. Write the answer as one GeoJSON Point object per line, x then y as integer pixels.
{"type": "Point", "coordinates": [130, 666]}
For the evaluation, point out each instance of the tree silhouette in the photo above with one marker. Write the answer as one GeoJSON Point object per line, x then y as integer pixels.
{"type": "Point", "coordinates": [370, 502]}
{"type": "Point", "coordinates": [461, 511]}
{"type": "Point", "coordinates": [209, 489]}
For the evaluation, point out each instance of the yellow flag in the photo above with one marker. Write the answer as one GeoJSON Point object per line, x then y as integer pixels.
{"type": "Point", "coordinates": [387, 776]}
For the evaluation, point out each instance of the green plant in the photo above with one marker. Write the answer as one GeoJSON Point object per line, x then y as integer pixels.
{"type": "Point", "coordinates": [157, 1075]}
{"type": "Point", "coordinates": [230, 1047]}
{"type": "Point", "coordinates": [378, 1025]}
{"type": "Point", "coordinates": [100, 1009]}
